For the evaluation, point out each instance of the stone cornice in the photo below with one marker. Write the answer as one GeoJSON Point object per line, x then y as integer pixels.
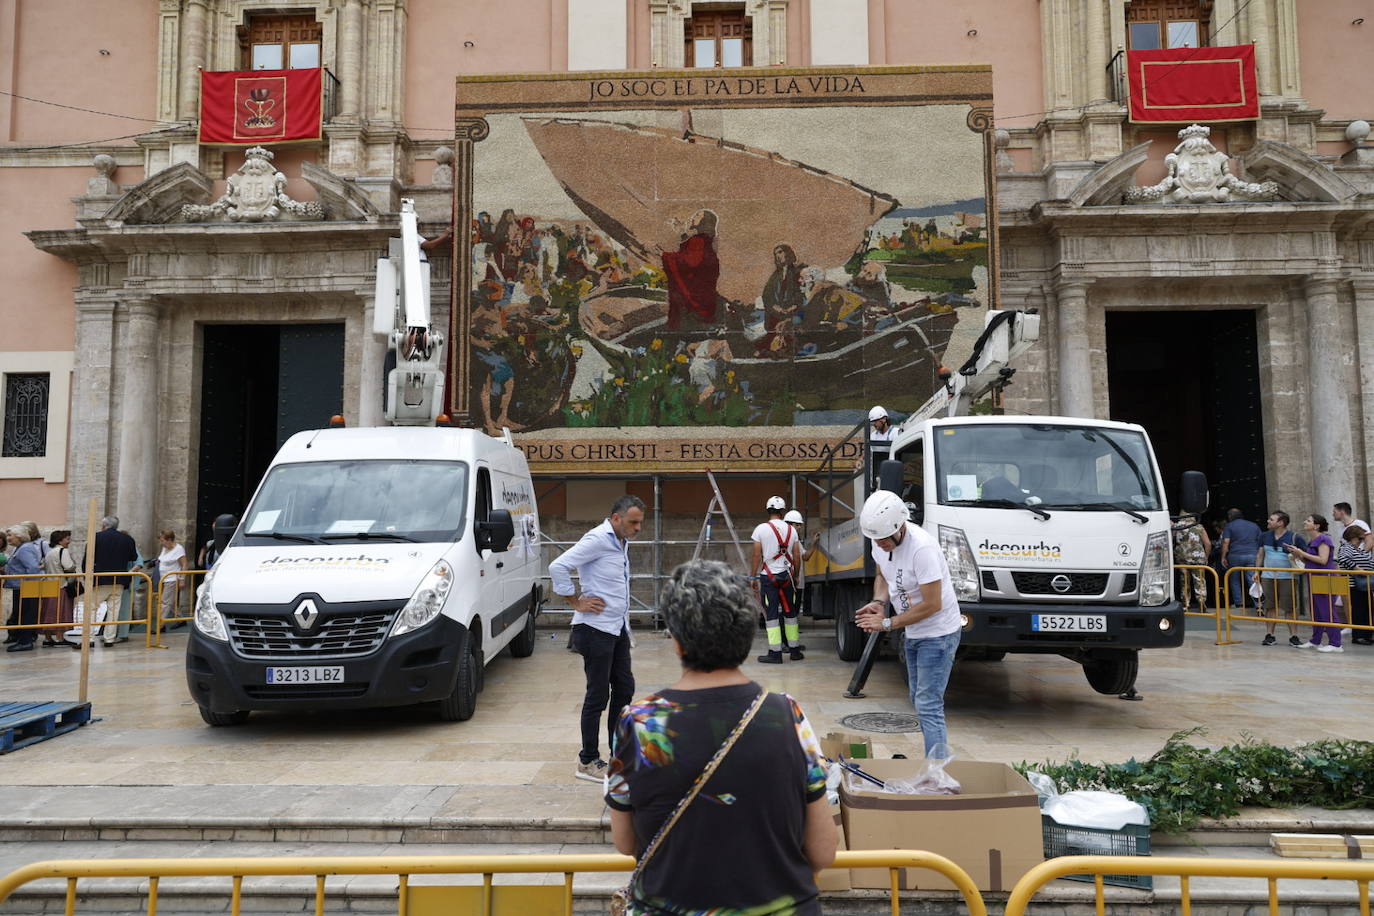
{"type": "Point", "coordinates": [67, 156]}
{"type": "Point", "coordinates": [1059, 216]}
{"type": "Point", "coordinates": [88, 245]}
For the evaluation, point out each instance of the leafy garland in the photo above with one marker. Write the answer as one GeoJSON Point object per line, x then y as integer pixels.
{"type": "Point", "coordinates": [1183, 783]}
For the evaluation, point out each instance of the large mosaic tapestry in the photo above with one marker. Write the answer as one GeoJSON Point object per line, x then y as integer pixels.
{"type": "Point", "coordinates": [711, 252]}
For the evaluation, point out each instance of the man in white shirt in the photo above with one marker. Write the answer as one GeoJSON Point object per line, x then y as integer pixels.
{"type": "Point", "coordinates": [880, 427]}
{"type": "Point", "coordinates": [601, 623]}
{"type": "Point", "coordinates": [913, 575]}
{"type": "Point", "coordinates": [777, 555]}
{"type": "Point", "coordinates": [1342, 519]}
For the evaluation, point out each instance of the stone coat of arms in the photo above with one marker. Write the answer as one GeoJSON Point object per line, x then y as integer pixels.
{"type": "Point", "coordinates": [1198, 175]}
{"type": "Point", "coordinates": [256, 193]}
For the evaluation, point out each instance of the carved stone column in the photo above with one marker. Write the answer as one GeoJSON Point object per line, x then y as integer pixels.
{"type": "Point", "coordinates": [1056, 38]}
{"type": "Point", "coordinates": [89, 466]}
{"type": "Point", "coordinates": [193, 41]}
{"type": "Point", "coordinates": [1075, 359]}
{"type": "Point", "coordinates": [469, 131]}
{"type": "Point", "coordinates": [1330, 363]}
{"type": "Point", "coordinates": [138, 455]}
{"type": "Point", "coordinates": [350, 59]}
{"type": "Point", "coordinates": [1097, 37]}
{"type": "Point", "coordinates": [1257, 18]}
{"type": "Point", "coordinates": [1364, 348]}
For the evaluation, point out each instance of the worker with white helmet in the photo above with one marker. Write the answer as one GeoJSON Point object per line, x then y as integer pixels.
{"type": "Point", "coordinates": [880, 426]}
{"type": "Point", "coordinates": [913, 575]}
{"type": "Point", "coordinates": [808, 548]}
{"type": "Point", "coordinates": [777, 555]}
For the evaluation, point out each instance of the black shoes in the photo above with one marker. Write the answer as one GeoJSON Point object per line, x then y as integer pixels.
{"type": "Point", "coordinates": [17, 646]}
{"type": "Point", "coordinates": [796, 654]}
{"type": "Point", "coordinates": [772, 658]}
{"type": "Point", "coordinates": [1269, 640]}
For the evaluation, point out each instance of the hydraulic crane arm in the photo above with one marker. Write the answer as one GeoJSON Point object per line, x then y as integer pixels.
{"type": "Point", "coordinates": [1007, 333]}
{"type": "Point", "coordinates": [415, 388]}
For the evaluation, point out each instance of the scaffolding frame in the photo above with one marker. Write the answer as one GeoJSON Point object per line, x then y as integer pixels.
{"type": "Point", "coordinates": [817, 502]}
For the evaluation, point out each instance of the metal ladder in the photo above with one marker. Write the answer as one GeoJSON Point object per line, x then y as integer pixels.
{"type": "Point", "coordinates": [714, 508]}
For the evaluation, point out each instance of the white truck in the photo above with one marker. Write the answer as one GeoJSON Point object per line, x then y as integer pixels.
{"type": "Point", "coordinates": [374, 567]}
{"type": "Point", "coordinates": [1055, 529]}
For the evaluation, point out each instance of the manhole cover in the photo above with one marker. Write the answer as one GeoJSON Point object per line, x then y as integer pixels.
{"type": "Point", "coordinates": [892, 722]}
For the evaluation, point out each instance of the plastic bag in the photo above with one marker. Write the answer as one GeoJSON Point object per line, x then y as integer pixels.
{"type": "Point", "coordinates": [1106, 810]}
{"type": "Point", "coordinates": [833, 776]}
{"type": "Point", "coordinates": [1043, 786]}
{"type": "Point", "coordinates": [931, 778]}
{"type": "Point", "coordinates": [1256, 589]}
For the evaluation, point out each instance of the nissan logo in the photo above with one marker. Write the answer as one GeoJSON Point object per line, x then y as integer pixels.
{"type": "Point", "coordinates": [306, 614]}
{"type": "Point", "coordinates": [1061, 584]}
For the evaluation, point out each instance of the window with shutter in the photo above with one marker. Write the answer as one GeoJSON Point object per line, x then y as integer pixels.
{"type": "Point", "coordinates": [281, 42]}
{"type": "Point", "coordinates": [1152, 24]}
{"type": "Point", "coordinates": [719, 35]}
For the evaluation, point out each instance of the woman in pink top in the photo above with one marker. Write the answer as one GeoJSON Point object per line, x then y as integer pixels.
{"type": "Point", "coordinates": [1320, 554]}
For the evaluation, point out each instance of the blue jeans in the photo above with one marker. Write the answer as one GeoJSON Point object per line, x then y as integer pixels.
{"type": "Point", "coordinates": [928, 662]}
{"type": "Point", "coordinates": [1240, 581]}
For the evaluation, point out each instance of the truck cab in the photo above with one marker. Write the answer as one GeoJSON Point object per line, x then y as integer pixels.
{"type": "Point", "coordinates": [1056, 534]}
{"type": "Point", "coordinates": [373, 567]}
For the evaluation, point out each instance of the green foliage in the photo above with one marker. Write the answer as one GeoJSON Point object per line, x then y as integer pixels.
{"type": "Point", "coordinates": [1184, 783]}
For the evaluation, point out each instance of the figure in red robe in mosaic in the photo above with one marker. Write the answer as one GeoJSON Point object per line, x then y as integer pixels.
{"type": "Point", "coordinates": [692, 273]}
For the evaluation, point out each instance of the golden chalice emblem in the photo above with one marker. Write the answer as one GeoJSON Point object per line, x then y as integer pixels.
{"type": "Point", "coordinates": [260, 103]}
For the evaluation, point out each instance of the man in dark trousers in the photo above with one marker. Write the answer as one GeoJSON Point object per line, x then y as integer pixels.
{"type": "Point", "coordinates": [115, 552]}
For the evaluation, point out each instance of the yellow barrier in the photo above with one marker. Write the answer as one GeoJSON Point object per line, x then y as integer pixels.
{"type": "Point", "coordinates": [49, 585]}
{"type": "Point", "coordinates": [1191, 569]}
{"type": "Point", "coordinates": [176, 575]}
{"type": "Point", "coordinates": [1333, 869]}
{"type": "Point", "coordinates": [1332, 582]}
{"type": "Point", "coordinates": [420, 900]}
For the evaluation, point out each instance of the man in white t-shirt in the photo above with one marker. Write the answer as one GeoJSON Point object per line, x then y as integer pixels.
{"type": "Point", "coordinates": [913, 575]}
{"type": "Point", "coordinates": [777, 554]}
{"type": "Point", "coordinates": [1342, 518]}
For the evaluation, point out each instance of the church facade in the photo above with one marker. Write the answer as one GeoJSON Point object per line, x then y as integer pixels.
{"type": "Point", "coordinates": [177, 309]}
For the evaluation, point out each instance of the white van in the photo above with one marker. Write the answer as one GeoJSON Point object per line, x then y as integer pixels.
{"type": "Point", "coordinates": [374, 567]}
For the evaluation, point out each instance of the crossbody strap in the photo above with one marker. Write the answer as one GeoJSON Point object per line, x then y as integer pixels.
{"type": "Point", "coordinates": [687, 799]}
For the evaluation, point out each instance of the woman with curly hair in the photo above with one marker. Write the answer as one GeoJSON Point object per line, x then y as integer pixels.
{"type": "Point", "coordinates": [715, 785]}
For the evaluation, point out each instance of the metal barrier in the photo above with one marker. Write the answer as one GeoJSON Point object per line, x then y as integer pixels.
{"type": "Point", "coordinates": [422, 899]}
{"type": "Point", "coordinates": [47, 579]}
{"type": "Point", "coordinates": [1190, 569]}
{"type": "Point", "coordinates": [1097, 866]}
{"type": "Point", "coordinates": [177, 575]}
{"type": "Point", "coordinates": [1332, 582]}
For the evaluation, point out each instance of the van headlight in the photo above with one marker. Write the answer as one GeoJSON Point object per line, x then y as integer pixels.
{"type": "Point", "coordinates": [963, 569]}
{"type": "Point", "coordinates": [209, 621]}
{"type": "Point", "coordinates": [427, 601]}
{"type": "Point", "coordinates": [1156, 570]}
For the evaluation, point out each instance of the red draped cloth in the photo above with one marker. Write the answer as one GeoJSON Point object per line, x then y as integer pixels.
{"type": "Point", "coordinates": [1193, 85]}
{"type": "Point", "coordinates": [692, 274]}
{"type": "Point", "coordinates": [260, 106]}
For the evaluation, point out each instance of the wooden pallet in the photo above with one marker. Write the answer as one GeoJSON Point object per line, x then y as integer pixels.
{"type": "Point", "coordinates": [22, 724]}
{"type": "Point", "coordinates": [1322, 845]}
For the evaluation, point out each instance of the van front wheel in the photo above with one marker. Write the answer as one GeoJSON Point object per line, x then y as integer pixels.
{"type": "Point", "coordinates": [462, 703]}
{"type": "Point", "coordinates": [522, 646]}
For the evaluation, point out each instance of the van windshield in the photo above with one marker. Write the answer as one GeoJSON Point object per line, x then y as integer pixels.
{"type": "Point", "coordinates": [1072, 468]}
{"type": "Point", "coordinates": [384, 500]}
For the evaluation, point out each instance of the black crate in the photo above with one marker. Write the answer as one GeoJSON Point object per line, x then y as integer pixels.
{"type": "Point", "coordinates": [1131, 840]}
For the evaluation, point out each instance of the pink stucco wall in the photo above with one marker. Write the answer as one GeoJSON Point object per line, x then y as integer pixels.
{"type": "Point", "coordinates": [39, 314]}
{"type": "Point", "coordinates": [57, 58]}
{"type": "Point", "coordinates": [1008, 38]}
{"type": "Point", "coordinates": [528, 36]}
{"type": "Point", "coordinates": [34, 500]}
{"type": "Point", "coordinates": [1334, 54]}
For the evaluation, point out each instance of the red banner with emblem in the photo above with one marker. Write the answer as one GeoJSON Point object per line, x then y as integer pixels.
{"type": "Point", "coordinates": [1187, 85]}
{"type": "Point", "coordinates": [260, 106]}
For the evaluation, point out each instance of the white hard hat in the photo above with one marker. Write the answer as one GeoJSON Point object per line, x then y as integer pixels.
{"type": "Point", "coordinates": [883, 515]}
{"type": "Point", "coordinates": [775, 502]}
{"type": "Point", "coordinates": [794, 517]}
{"type": "Point", "coordinates": [877, 412]}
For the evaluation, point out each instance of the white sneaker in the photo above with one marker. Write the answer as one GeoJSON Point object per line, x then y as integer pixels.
{"type": "Point", "coordinates": [1305, 645]}
{"type": "Point", "coordinates": [1330, 648]}
{"type": "Point", "coordinates": [594, 771]}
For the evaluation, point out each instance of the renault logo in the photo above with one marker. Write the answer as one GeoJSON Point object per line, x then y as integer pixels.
{"type": "Point", "coordinates": [306, 614]}
{"type": "Point", "coordinates": [1061, 584]}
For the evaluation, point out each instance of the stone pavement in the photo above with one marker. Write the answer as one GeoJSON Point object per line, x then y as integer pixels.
{"type": "Point", "coordinates": [150, 778]}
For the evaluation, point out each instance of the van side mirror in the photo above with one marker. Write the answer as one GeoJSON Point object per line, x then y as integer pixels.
{"type": "Point", "coordinates": [496, 532]}
{"type": "Point", "coordinates": [890, 475]}
{"type": "Point", "coordinates": [1193, 496]}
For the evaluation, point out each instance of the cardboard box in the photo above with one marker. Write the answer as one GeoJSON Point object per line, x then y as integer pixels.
{"type": "Point", "coordinates": [991, 829]}
{"type": "Point", "coordinates": [849, 745]}
{"type": "Point", "coordinates": [835, 879]}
